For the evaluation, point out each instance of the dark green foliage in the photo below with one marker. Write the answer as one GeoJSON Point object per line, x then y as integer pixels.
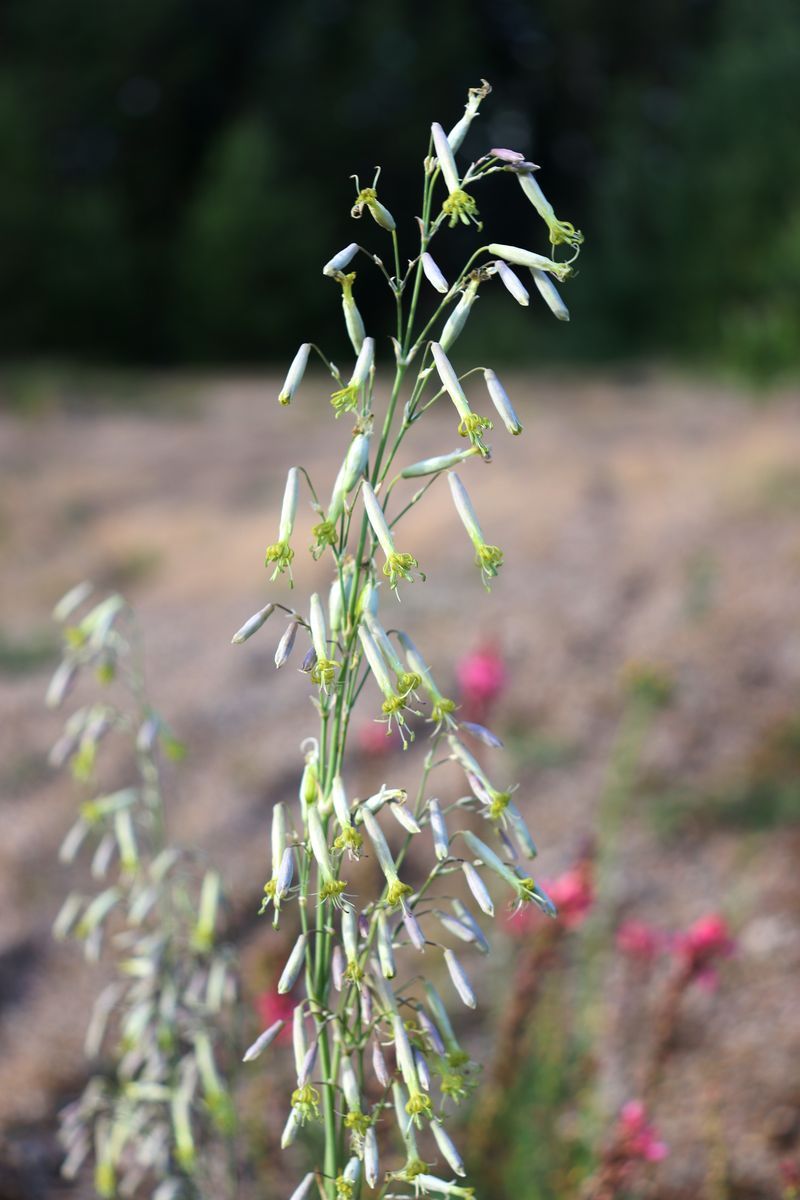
{"type": "Point", "coordinates": [168, 168]}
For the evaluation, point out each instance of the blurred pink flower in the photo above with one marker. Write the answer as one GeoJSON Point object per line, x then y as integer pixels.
{"type": "Point", "coordinates": [271, 1006]}
{"type": "Point", "coordinates": [573, 893]}
{"type": "Point", "coordinates": [637, 1138]}
{"type": "Point", "coordinates": [639, 941]}
{"type": "Point", "coordinates": [482, 678]}
{"type": "Point", "coordinates": [705, 941]}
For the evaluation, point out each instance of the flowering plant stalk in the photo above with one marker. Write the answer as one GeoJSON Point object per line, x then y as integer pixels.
{"type": "Point", "coordinates": [159, 1115]}
{"type": "Point", "coordinates": [348, 946]}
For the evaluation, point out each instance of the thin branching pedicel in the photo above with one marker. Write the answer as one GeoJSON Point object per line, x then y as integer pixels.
{"type": "Point", "coordinates": [352, 998]}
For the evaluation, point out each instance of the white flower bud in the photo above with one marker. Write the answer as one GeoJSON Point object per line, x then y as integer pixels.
{"type": "Point", "coordinates": [527, 258]}
{"type": "Point", "coordinates": [289, 506]}
{"type": "Point", "coordinates": [423, 1074]}
{"type": "Point", "coordinates": [290, 1129]}
{"type": "Point", "coordinates": [295, 374]}
{"type": "Point", "coordinates": [283, 880]}
{"type": "Point", "coordinates": [293, 965]}
{"type": "Point", "coordinates": [375, 661]}
{"type": "Point", "coordinates": [447, 162]}
{"type": "Point", "coordinates": [460, 981]}
{"type": "Point", "coordinates": [286, 644]}
{"type": "Point", "coordinates": [478, 888]}
{"type": "Point", "coordinates": [379, 1065]}
{"type": "Point", "coordinates": [385, 952]}
{"type": "Point", "coordinates": [414, 930]}
{"type": "Point", "coordinates": [319, 844]}
{"type": "Point", "coordinates": [448, 1149]}
{"type": "Point", "coordinates": [340, 260]}
{"type": "Point", "coordinates": [431, 466]}
{"type": "Point", "coordinates": [466, 917]}
{"type": "Point", "coordinates": [433, 275]}
{"type": "Point", "coordinates": [319, 634]}
{"type": "Point", "coordinates": [252, 625]}
{"type": "Point", "coordinates": [350, 934]}
{"type": "Point", "coordinates": [377, 520]}
{"type": "Point", "coordinates": [299, 1043]}
{"type": "Point", "coordinates": [404, 818]}
{"type": "Point", "coordinates": [458, 317]}
{"type": "Point", "coordinates": [405, 1055]}
{"type": "Point", "coordinates": [513, 283]}
{"type": "Point", "coordinates": [371, 1157]}
{"type": "Point", "coordinates": [464, 509]}
{"type": "Point", "coordinates": [364, 363]}
{"type": "Point", "coordinates": [450, 381]}
{"type": "Point", "coordinates": [441, 840]}
{"type": "Point", "coordinates": [502, 403]}
{"type": "Point", "coordinates": [550, 294]}
{"type": "Point", "coordinates": [262, 1041]}
{"type": "Point", "coordinates": [351, 470]}
{"type": "Point", "coordinates": [72, 600]}
{"type": "Point", "coordinates": [278, 840]}
{"type": "Point", "coordinates": [303, 1188]}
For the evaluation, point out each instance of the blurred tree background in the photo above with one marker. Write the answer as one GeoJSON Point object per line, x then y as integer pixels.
{"type": "Point", "coordinates": [177, 171]}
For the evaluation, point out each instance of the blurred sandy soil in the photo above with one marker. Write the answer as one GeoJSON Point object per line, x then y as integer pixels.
{"type": "Point", "coordinates": [647, 519]}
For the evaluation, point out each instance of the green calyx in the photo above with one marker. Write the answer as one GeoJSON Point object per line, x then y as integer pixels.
{"type": "Point", "coordinates": [460, 206]}
{"type": "Point", "coordinates": [333, 889]}
{"type": "Point", "coordinates": [397, 892]}
{"type": "Point", "coordinates": [324, 672]}
{"type": "Point", "coordinates": [324, 535]}
{"type": "Point", "coordinates": [345, 399]}
{"type": "Point", "coordinates": [358, 1122]}
{"type": "Point", "coordinates": [418, 1105]}
{"type": "Point", "coordinates": [399, 566]}
{"type": "Point", "coordinates": [500, 802]}
{"type": "Point", "coordinates": [306, 1101]}
{"type": "Point", "coordinates": [349, 839]}
{"type": "Point", "coordinates": [281, 554]}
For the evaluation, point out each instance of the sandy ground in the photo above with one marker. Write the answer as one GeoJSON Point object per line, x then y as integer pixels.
{"type": "Point", "coordinates": [648, 519]}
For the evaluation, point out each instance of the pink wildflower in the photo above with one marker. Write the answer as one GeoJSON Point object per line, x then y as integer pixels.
{"type": "Point", "coordinates": [639, 941]}
{"type": "Point", "coordinates": [705, 941]}
{"type": "Point", "coordinates": [573, 893]}
{"type": "Point", "coordinates": [482, 678]}
{"type": "Point", "coordinates": [637, 1138]}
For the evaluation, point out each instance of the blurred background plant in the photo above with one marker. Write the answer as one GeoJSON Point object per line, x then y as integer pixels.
{"type": "Point", "coordinates": [164, 165]}
{"type": "Point", "coordinates": [157, 1112]}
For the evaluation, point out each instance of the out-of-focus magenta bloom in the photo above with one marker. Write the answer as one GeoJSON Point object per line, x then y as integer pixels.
{"type": "Point", "coordinates": [637, 1138]}
{"type": "Point", "coordinates": [639, 941]}
{"type": "Point", "coordinates": [703, 943]}
{"type": "Point", "coordinates": [482, 678]}
{"type": "Point", "coordinates": [271, 1007]}
{"type": "Point", "coordinates": [573, 894]}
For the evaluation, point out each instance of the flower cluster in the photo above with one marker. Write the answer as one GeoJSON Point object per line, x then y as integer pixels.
{"type": "Point", "coordinates": [373, 1046]}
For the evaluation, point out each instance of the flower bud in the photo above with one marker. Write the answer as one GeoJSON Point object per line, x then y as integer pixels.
{"type": "Point", "coordinates": [459, 131]}
{"type": "Point", "coordinates": [72, 600]}
{"type": "Point", "coordinates": [433, 275]}
{"type": "Point", "coordinates": [513, 283]}
{"type": "Point", "coordinates": [431, 466]}
{"type": "Point", "coordinates": [550, 295]}
{"type": "Point", "coordinates": [299, 1043]}
{"type": "Point", "coordinates": [340, 260]}
{"type": "Point", "coordinates": [502, 403]}
{"type": "Point", "coordinates": [414, 931]}
{"type": "Point", "coordinates": [478, 889]}
{"type": "Point", "coordinates": [458, 317]}
{"type": "Point", "coordinates": [295, 374]}
{"type": "Point", "coordinates": [371, 1157]}
{"type": "Point", "coordinates": [527, 258]}
{"type": "Point", "coordinates": [379, 1065]}
{"type": "Point", "coordinates": [448, 1149]}
{"type": "Point", "coordinates": [319, 633]}
{"type": "Point", "coordinates": [293, 966]}
{"type": "Point", "coordinates": [262, 1041]}
{"type": "Point", "coordinates": [252, 625]}
{"type": "Point", "coordinates": [352, 317]}
{"type": "Point", "coordinates": [304, 1187]}
{"type": "Point", "coordinates": [286, 644]}
{"type": "Point", "coordinates": [441, 839]}
{"type": "Point", "coordinates": [377, 519]}
{"type": "Point", "coordinates": [385, 951]}
{"type": "Point", "coordinates": [560, 231]}
{"type": "Point", "coordinates": [460, 981]}
{"type": "Point", "coordinates": [423, 1074]}
{"type": "Point", "coordinates": [404, 818]}
{"type": "Point", "coordinates": [466, 917]}
{"type": "Point", "coordinates": [447, 162]}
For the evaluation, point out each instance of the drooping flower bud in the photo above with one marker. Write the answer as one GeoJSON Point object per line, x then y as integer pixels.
{"type": "Point", "coordinates": [368, 198]}
{"type": "Point", "coordinates": [550, 294]}
{"type": "Point", "coordinates": [398, 565]}
{"type": "Point", "coordinates": [433, 275]}
{"type": "Point", "coordinates": [341, 260]}
{"type": "Point", "coordinates": [442, 462]}
{"type": "Point", "coordinates": [295, 374]}
{"type": "Point", "coordinates": [347, 399]}
{"type": "Point", "coordinates": [528, 258]}
{"type": "Point", "coordinates": [262, 1041]}
{"type": "Point", "coordinates": [281, 553]}
{"type": "Point", "coordinates": [502, 403]}
{"type": "Point", "coordinates": [460, 981]}
{"type": "Point", "coordinates": [444, 153]}
{"type": "Point", "coordinates": [471, 425]}
{"type": "Point", "coordinates": [560, 231]}
{"type": "Point", "coordinates": [488, 558]}
{"type": "Point", "coordinates": [441, 838]}
{"type": "Point", "coordinates": [286, 644]}
{"type": "Point", "coordinates": [458, 317]}
{"type": "Point", "coordinates": [252, 625]}
{"type": "Point", "coordinates": [442, 707]}
{"type": "Point", "coordinates": [352, 317]}
{"type": "Point", "coordinates": [293, 966]}
{"type": "Point", "coordinates": [512, 283]}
